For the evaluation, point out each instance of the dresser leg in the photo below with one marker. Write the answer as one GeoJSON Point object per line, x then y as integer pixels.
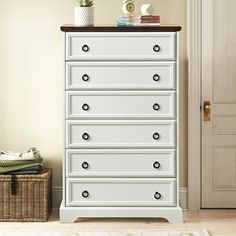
{"type": "Point", "coordinates": [175, 217]}
{"type": "Point", "coordinates": [66, 215]}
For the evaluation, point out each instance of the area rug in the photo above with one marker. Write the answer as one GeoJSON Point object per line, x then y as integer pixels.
{"type": "Point", "coordinates": [74, 232]}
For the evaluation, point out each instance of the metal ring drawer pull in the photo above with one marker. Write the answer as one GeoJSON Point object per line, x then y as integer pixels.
{"type": "Point", "coordinates": [85, 48]}
{"type": "Point", "coordinates": [85, 165]}
{"type": "Point", "coordinates": [156, 48]}
{"type": "Point", "coordinates": [156, 136]}
{"type": "Point", "coordinates": [156, 107]}
{"type": "Point", "coordinates": [156, 77]}
{"type": "Point", "coordinates": [157, 195]}
{"type": "Point", "coordinates": [85, 136]}
{"type": "Point", "coordinates": [85, 77]}
{"type": "Point", "coordinates": [85, 194]}
{"type": "Point", "coordinates": [85, 107]}
{"type": "Point", "coordinates": [156, 165]}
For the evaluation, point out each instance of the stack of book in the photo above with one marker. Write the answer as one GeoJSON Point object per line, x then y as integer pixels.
{"type": "Point", "coordinates": [125, 20]}
{"type": "Point", "coordinates": [150, 20]}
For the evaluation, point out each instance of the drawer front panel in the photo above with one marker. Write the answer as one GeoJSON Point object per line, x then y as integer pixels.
{"type": "Point", "coordinates": [149, 105]}
{"type": "Point", "coordinates": [122, 75]}
{"type": "Point", "coordinates": [121, 46]}
{"type": "Point", "coordinates": [120, 134]}
{"type": "Point", "coordinates": [121, 192]}
{"type": "Point", "coordinates": [125, 163]}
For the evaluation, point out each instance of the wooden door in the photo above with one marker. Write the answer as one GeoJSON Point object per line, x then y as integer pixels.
{"type": "Point", "coordinates": [219, 88]}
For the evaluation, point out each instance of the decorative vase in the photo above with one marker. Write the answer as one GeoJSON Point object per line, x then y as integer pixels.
{"type": "Point", "coordinates": [84, 16]}
{"type": "Point", "coordinates": [147, 9]}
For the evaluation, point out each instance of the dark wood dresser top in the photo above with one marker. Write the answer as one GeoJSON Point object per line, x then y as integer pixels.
{"type": "Point", "coordinates": [112, 28]}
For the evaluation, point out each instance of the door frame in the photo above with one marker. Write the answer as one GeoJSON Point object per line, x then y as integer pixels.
{"type": "Point", "coordinates": [194, 102]}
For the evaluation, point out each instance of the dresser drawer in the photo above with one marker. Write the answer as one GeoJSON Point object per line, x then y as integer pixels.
{"type": "Point", "coordinates": [123, 163]}
{"type": "Point", "coordinates": [121, 192]}
{"type": "Point", "coordinates": [120, 75]}
{"type": "Point", "coordinates": [106, 105]}
{"type": "Point", "coordinates": [121, 46]}
{"type": "Point", "coordinates": [109, 134]}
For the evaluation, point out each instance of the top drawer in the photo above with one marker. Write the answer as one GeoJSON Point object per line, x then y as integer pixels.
{"type": "Point", "coordinates": [121, 46]}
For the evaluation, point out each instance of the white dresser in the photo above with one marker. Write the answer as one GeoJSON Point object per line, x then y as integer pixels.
{"type": "Point", "coordinates": [121, 123]}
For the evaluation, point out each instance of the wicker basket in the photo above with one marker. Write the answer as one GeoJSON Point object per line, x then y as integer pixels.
{"type": "Point", "coordinates": [30, 200]}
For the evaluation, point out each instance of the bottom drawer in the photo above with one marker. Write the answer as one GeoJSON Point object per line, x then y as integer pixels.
{"type": "Point", "coordinates": [121, 192]}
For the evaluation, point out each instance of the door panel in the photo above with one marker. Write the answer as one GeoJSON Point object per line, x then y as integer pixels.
{"type": "Point", "coordinates": [219, 87]}
{"type": "Point", "coordinates": [224, 159]}
{"type": "Point", "coordinates": [224, 124]}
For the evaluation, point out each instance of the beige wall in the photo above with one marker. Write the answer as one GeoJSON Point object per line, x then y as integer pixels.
{"type": "Point", "coordinates": [31, 72]}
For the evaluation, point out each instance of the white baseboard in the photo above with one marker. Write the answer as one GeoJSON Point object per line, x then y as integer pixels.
{"type": "Point", "coordinates": [183, 197]}
{"type": "Point", "coordinates": [57, 197]}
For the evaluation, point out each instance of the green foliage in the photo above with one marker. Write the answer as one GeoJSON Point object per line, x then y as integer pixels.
{"type": "Point", "coordinates": [85, 3]}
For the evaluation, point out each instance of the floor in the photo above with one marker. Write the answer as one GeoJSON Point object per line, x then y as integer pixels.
{"type": "Point", "coordinates": [217, 222]}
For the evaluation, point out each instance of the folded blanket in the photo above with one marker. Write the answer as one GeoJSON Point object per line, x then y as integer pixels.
{"type": "Point", "coordinates": [8, 166]}
{"type": "Point", "coordinates": [27, 170]}
{"type": "Point", "coordinates": [20, 162]}
{"type": "Point", "coordinates": [31, 154]}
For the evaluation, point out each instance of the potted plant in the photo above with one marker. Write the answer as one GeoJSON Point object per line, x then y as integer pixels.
{"type": "Point", "coordinates": [84, 14]}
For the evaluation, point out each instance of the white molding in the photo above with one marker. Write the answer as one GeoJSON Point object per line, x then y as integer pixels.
{"type": "Point", "coordinates": [194, 103]}
{"type": "Point", "coordinates": [57, 197]}
{"type": "Point", "coordinates": [183, 197]}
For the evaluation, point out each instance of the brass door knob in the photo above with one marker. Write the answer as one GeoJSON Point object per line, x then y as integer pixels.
{"type": "Point", "coordinates": [206, 110]}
